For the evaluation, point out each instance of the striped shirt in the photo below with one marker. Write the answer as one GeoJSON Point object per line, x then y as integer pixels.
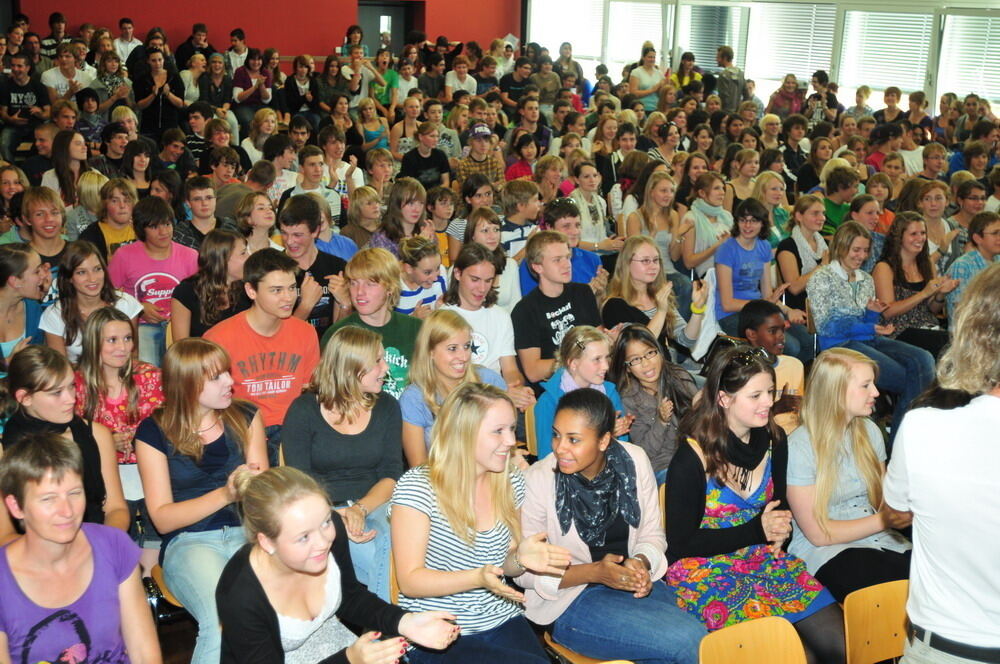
{"type": "Point", "coordinates": [410, 299]}
{"type": "Point", "coordinates": [513, 236]}
{"type": "Point", "coordinates": [477, 610]}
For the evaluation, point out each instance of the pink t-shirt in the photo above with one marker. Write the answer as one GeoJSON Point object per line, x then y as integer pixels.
{"type": "Point", "coordinates": [149, 279]}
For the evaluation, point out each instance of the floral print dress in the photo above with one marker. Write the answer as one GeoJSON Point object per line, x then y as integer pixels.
{"type": "Point", "coordinates": [748, 583]}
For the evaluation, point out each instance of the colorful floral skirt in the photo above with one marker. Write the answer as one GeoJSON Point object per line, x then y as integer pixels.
{"type": "Point", "coordinates": [750, 583]}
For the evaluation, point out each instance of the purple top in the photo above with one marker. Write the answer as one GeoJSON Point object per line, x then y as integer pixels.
{"type": "Point", "coordinates": [241, 79]}
{"type": "Point", "coordinates": [379, 240]}
{"type": "Point", "coordinates": [89, 629]}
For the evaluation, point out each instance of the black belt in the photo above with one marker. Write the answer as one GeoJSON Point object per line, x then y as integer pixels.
{"type": "Point", "coordinates": [989, 655]}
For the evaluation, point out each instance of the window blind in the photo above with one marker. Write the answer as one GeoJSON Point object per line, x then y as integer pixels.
{"type": "Point", "coordinates": [970, 61]}
{"type": "Point", "coordinates": [789, 38]}
{"type": "Point", "coordinates": [881, 49]}
{"type": "Point", "coordinates": [580, 23]}
{"type": "Point", "coordinates": [705, 28]}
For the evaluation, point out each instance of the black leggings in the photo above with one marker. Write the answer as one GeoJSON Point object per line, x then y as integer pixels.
{"type": "Point", "coordinates": [853, 569]}
{"type": "Point", "coordinates": [822, 634]}
{"type": "Point", "coordinates": [933, 341]}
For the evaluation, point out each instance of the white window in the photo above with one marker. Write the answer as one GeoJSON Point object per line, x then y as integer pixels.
{"type": "Point", "coordinates": [630, 24]}
{"type": "Point", "coordinates": [581, 23]}
{"type": "Point", "coordinates": [705, 28]}
{"type": "Point", "coordinates": [882, 49]}
{"type": "Point", "coordinates": [970, 60]}
{"type": "Point", "coordinates": [789, 38]}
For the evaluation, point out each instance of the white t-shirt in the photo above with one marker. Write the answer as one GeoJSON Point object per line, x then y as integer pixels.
{"type": "Point", "coordinates": [944, 469]}
{"type": "Point", "coordinates": [492, 334]}
{"type": "Point", "coordinates": [366, 78]}
{"type": "Point", "coordinates": [405, 87]}
{"type": "Point", "coordinates": [913, 160]}
{"type": "Point", "coordinates": [52, 322]}
{"type": "Point", "coordinates": [124, 48]}
{"type": "Point", "coordinates": [358, 177]}
{"type": "Point", "coordinates": [451, 80]}
{"type": "Point", "coordinates": [53, 78]}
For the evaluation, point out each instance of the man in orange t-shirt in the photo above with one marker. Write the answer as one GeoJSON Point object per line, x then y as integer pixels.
{"type": "Point", "coordinates": [273, 354]}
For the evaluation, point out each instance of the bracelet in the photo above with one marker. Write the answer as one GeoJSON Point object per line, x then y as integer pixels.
{"type": "Point", "coordinates": [697, 310]}
{"type": "Point", "coordinates": [518, 563]}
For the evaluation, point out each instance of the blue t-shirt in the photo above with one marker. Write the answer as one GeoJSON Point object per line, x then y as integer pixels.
{"type": "Point", "coordinates": [415, 409]}
{"type": "Point", "coordinates": [748, 268]}
{"type": "Point", "coordinates": [339, 246]}
{"type": "Point", "coordinates": [585, 265]}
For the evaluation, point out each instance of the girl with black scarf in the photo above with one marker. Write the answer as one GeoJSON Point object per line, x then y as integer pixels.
{"type": "Point", "coordinates": [597, 498]}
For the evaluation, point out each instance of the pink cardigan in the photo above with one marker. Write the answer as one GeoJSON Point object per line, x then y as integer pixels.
{"type": "Point", "coordinates": [544, 600]}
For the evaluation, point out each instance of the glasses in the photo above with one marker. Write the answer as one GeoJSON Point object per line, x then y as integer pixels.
{"type": "Point", "coordinates": [646, 262]}
{"type": "Point", "coordinates": [750, 220]}
{"type": "Point", "coordinates": [645, 357]}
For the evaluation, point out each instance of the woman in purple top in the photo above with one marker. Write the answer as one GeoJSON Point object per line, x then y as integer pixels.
{"type": "Point", "coordinates": [251, 88]}
{"type": "Point", "coordinates": [71, 590]}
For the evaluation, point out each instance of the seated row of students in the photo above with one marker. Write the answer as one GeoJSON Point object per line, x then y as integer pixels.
{"type": "Point", "coordinates": [225, 390]}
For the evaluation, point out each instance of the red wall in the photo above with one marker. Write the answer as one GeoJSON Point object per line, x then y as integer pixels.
{"type": "Point", "coordinates": [301, 26]}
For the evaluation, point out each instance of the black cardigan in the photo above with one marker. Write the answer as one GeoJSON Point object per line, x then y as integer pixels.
{"type": "Point", "coordinates": [685, 508]}
{"type": "Point", "coordinates": [250, 632]}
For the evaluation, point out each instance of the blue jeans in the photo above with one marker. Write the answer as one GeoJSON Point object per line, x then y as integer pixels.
{"type": "Point", "coordinates": [371, 559]}
{"type": "Point", "coordinates": [682, 291]}
{"type": "Point", "coordinates": [152, 342]}
{"type": "Point", "coordinates": [192, 565]}
{"type": "Point", "coordinates": [904, 370]}
{"type": "Point", "coordinates": [272, 434]}
{"type": "Point", "coordinates": [611, 624]}
{"type": "Point", "coordinates": [513, 642]}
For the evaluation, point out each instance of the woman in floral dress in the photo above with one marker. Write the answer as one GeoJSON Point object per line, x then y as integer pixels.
{"type": "Point", "coordinates": [727, 519]}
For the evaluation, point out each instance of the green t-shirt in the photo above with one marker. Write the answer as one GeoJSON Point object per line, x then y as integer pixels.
{"type": "Point", "coordinates": [398, 337]}
{"type": "Point", "coordinates": [382, 92]}
{"type": "Point", "coordinates": [835, 213]}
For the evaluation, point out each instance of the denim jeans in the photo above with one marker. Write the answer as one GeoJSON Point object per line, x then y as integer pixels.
{"type": "Point", "coordinates": [192, 565]}
{"type": "Point", "coordinates": [272, 434]}
{"type": "Point", "coordinates": [904, 370]}
{"type": "Point", "coordinates": [152, 342]}
{"type": "Point", "coordinates": [605, 623]}
{"type": "Point", "coordinates": [371, 559]}
{"type": "Point", "coordinates": [682, 291]}
{"type": "Point", "coordinates": [513, 642]}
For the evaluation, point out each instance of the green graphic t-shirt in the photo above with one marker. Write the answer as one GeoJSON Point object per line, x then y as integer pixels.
{"type": "Point", "coordinates": [398, 337]}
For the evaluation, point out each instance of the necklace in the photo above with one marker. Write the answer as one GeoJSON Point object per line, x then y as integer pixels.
{"type": "Point", "coordinates": [209, 427]}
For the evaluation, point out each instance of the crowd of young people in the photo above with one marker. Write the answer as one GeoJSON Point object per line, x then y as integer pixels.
{"type": "Point", "coordinates": [339, 298]}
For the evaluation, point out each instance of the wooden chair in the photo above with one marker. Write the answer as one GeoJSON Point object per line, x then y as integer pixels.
{"type": "Point", "coordinates": [393, 581]}
{"type": "Point", "coordinates": [157, 574]}
{"type": "Point", "coordinates": [875, 622]}
{"type": "Point", "coordinates": [772, 640]}
{"type": "Point", "coordinates": [663, 505]}
{"type": "Point", "coordinates": [529, 431]}
{"type": "Point", "coordinates": [567, 655]}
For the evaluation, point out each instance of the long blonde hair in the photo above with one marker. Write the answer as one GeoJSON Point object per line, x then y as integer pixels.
{"type": "Point", "coordinates": [186, 366]}
{"type": "Point", "coordinates": [825, 417]}
{"type": "Point", "coordinates": [351, 352]}
{"type": "Point", "coordinates": [436, 329]}
{"type": "Point", "coordinates": [621, 282]}
{"type": "Point", "coordinates": [649, 209]}
{"type": "Point", "coordinates": [451, 463]}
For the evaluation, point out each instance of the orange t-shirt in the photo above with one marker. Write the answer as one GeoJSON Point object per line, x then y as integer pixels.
{"type": "Point", "coordinates": [270, 372]}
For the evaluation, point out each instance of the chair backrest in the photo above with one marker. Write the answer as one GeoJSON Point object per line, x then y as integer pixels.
{"type": "Point", "coordinates": [772, 640]}
{"type": "Point", "coordinates": [529, 430]}
{"type": "Point", "coordinates": [575, 657]}
{"type": "Point", "coordinates": [393, 581]}
{"type": "Point", "coordinates": [875, 622]}
{"type": "Point", "coordinates": [663, 505]}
